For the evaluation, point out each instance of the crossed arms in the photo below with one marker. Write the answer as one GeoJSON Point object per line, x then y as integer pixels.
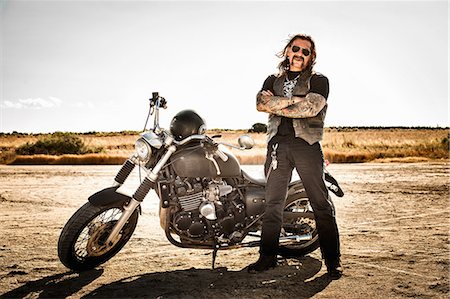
{"type": "Point", "coordinates": [294, 107]}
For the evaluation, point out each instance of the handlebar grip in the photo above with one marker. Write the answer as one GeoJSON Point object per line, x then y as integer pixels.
{"type": "Point", "coordinates": [222, 155]}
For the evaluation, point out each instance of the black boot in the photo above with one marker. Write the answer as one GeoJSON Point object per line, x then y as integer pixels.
{"type": "Point", "coordinates": [334, 268]}
{"type": "Point", "coordinates": [264, 263]}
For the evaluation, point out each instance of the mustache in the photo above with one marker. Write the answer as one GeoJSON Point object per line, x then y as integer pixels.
{"type": "Point", "coordinates": [297, 57]}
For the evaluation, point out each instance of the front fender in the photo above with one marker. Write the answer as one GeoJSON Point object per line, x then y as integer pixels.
{"type": "Point", "coordinates": [108, 197]}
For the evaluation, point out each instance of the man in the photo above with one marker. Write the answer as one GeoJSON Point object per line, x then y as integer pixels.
{"type": "Point", "coordinates": [296, 102]}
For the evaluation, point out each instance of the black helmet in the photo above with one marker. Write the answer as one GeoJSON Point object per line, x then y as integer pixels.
{"type": "Point", "coordinates": [186, 123]}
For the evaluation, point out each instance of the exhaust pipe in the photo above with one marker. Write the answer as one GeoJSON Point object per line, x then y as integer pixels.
{"type": "Point", "coordinates": [306, 237]}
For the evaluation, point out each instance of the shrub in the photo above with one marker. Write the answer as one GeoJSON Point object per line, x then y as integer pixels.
{"type": "Point", "coordinates": [258, 128]}
{"type": "Point", "coordinates": [56, 144]}
{"type": "Point", "coordinates": [445, 143]}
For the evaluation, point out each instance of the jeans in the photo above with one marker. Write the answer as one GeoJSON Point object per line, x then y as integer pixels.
{"type": "Point", "coordinates": [308, 160]}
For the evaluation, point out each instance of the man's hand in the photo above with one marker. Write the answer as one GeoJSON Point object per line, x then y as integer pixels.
{"type": "Point", "coordinates": [266, 93]}
{"type": "Point", "coordinates": [266, 101]}
{"type": "Point", "coordinates": [265, 96]}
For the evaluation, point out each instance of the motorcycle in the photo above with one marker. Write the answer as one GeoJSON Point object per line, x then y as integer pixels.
{"type": "Point", "coordinates": [207, 201]}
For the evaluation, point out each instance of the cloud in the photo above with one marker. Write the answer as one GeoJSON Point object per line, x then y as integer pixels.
{"type": "Point", "coordinates": [88, 105]}
{"type": "Point", "coordinates": [36, 103]}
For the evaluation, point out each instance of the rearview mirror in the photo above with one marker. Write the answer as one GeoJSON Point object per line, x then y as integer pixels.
{"type": "Point", "coordinates": [246, 142]}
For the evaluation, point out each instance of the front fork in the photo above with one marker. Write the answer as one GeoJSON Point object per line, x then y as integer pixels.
{"type": "Point", "coordinates": [145, 187]}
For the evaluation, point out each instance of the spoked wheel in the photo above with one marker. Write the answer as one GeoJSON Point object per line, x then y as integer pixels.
{"type": "Point", "coordinates": [298, 220]}
{"type": "Point", "coordinates": [82, 243]}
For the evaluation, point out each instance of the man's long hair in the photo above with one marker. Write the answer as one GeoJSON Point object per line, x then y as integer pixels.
{"type": "Point", "coordinates": [283, 66]}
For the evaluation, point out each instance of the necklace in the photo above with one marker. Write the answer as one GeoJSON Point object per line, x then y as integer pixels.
{"type": "Point", "coordinates": [289, 85]}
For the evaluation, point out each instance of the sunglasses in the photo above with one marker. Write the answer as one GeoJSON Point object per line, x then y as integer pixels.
{"type": "Point", "coordinates": [305, 52]}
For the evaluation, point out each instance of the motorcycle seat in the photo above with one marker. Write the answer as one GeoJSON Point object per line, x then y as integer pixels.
{"type": "Point", "coordinates": [258, 180]}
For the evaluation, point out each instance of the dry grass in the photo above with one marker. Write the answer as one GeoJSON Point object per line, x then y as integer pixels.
{"type": "Point", "coordinates": [87, 159]}
{"type": "Point", "coordinates": [348, 145]}
{"type": "Point", "coordinates": [363, 145]}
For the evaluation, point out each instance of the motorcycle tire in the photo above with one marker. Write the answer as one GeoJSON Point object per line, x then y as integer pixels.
{"type": "Point", "coordinates": [304, 222]}
{"type": "Point", "coordinates": [80, 246]}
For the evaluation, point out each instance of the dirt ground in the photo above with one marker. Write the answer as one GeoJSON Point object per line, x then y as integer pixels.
{"type": "Point", "coordinates": [393, 220]}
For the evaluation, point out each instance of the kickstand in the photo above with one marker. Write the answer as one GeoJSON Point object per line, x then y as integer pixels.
{"type": "Point", "coordinates": [214, 255]}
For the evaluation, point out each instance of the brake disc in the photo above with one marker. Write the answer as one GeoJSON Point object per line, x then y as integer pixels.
{"type": "Point", "coordinates": [96, 244]}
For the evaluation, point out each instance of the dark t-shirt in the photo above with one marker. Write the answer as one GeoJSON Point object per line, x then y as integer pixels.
{"type": "Point", "coordinates": [318, 84]}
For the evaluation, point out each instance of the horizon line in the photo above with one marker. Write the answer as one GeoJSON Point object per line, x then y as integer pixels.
{"type": "Point", "coordinates": [437, 127]}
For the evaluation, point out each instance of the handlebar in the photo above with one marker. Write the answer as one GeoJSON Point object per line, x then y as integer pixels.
{"type": "Point", "coordinates": [190, 138]}
{"type": "Point", "coordinates": [222, 155]}
{"type": "Point", "coordinates": [208, 140]}
{"type": "Point", "coordinates": [158, 101]}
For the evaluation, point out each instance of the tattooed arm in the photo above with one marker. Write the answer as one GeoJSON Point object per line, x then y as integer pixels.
{"type": "Point", "coordinates": [303, 107]}
{"type": "Point", "coordinates": [312, 103]}
{"type": "Point", "coordinates": [267, 102]}
{"type": "Point", "coordinates": [295, 107]}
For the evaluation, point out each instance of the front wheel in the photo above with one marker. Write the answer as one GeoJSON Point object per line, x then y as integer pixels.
{"type": "Point", "coordinates": [298, 219]}
{"type": "Point", "coordinates": [81, 245]}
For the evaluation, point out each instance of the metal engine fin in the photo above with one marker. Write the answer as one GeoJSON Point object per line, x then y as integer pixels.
{"type": "Point", "coordinates": [191, 202]}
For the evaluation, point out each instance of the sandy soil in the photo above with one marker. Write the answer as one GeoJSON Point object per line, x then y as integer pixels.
{"type": "Point", "coordinates": [394, 224]}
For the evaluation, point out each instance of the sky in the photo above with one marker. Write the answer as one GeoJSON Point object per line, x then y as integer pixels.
{"type": "Point", "coordinates": [84, 66]}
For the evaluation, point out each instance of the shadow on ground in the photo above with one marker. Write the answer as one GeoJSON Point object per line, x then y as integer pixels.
{"type": "Point", "coordinates": [55, 286]}
{"type": "Point", "coordinates": [294, 278]}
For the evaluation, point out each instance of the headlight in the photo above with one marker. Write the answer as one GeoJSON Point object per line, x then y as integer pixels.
{"type": "Point", "coordinates": [143, 150]}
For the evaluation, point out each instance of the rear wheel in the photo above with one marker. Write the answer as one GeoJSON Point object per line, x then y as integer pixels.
{"type": "Point", "coordinates": [298, 220]}
{"type": "Point", "coordinates": [82, 245]}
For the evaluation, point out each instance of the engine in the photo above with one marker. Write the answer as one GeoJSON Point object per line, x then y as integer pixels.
{"type": "Point", "coordinates": [207, 209]}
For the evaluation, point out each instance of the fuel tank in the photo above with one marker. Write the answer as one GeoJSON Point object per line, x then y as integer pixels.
{"type": "Point", "coordinates": [191, 162]}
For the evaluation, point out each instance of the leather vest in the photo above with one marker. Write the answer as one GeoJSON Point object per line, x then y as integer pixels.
{"type": "Point", "coordinates": [309, 129]}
